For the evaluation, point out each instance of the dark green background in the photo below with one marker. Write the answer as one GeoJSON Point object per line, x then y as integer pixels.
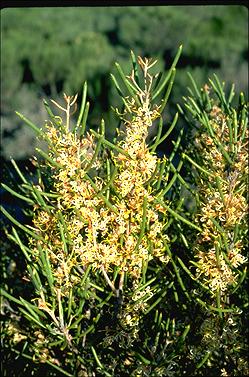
{"type": "Point", "coordinates": [48, 51]}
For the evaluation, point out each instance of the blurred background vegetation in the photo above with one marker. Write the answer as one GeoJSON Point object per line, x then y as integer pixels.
{"type": "Point", "coordinates": [48, 51]}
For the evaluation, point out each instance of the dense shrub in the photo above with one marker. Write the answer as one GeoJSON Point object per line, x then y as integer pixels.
{"type": "Point", "coordinates": [134, 263]}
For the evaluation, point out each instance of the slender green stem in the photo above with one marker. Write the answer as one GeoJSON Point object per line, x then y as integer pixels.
{"type": "Point", "coordinates": [18, 171]}
{"type": "Point", "coordinates": [111, 145]}
{"type": "Point", "coordinates": [96, 152]}
{"type": "Point", "coordinates": [197, 92]}
{"type": "Point", "coordinates": [117, 86]}
{"type": "Point", "coordinates": [82, 127]}
{"type": "Point", "coordinates": [99, 363]}
{"type": "Point", "coordinates": [167, 133]}
{"type": "Point", "coordinates": [166, 97]}
{"type": "Point", "coordinates": [107, 202]}
{"type": "Point", "coordinates": [135, 67]}
{"type": "Point", "coordinates": [83, 104]}
{"type": "Point", "coordinates": [7, 188]}
{"type": "Point", "coordinates": [50, 159]}
{"type": "Point", "coordinates": [205, 358]}
{"type": "Point", "coordinates": [159, 132]}
{"type": "Point", "coordinates": [127, 84]}
{"type": "Point", "coordinates": [37, 130]}
{"type": "Point", "coordinates": [184, 155]}
{"type": "Point", "coordinates": [161, 87]}
{"type": "Point", "coordinates": [14, 221]}
{"type": "Point", "coordinates": [177, 216]}
{"type": "Point", "coordinates": [143, 225]}
{"type": "Point", "coordinates": [173, 179]}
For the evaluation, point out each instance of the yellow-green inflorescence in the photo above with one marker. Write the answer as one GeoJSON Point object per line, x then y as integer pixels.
{"type": "Point", "coordinates": [223, 205]}
{"type": "Point", "coordinates": [126, 234]}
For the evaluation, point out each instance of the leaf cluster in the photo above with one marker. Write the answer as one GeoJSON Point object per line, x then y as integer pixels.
{"type": "Point", "coordinates": [99, 319]}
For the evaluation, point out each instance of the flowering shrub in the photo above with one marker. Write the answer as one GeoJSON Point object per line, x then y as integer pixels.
{"type": "Point", "coordinates": [124, 278]}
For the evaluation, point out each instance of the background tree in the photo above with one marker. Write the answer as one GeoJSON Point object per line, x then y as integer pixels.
{"type": "Point", "coordinates": [42, 48]}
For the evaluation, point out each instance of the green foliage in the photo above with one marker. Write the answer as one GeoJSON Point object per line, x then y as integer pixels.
{"type": "Point", "coordinates": [124, 275]}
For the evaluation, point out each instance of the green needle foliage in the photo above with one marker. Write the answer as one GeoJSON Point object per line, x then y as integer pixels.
{"type": "Point", "coordinates": [134, 267]}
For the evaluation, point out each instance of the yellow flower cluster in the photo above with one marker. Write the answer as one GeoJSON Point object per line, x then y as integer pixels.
{"type": "Point", "coordinates": [126, 233]}
{"type": "Point", "coordinates": [41, 352]}
{"type": "Point", "coordinates": [217, 274]}
{"type": "Point", "coordinates": [223, 205]}
{"type": "Point", "coordinates": [228, 210]}
{"type": "Point", "coordinates": [15, 332]}
{"type": "Point", "coordinates": [131, 312]}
